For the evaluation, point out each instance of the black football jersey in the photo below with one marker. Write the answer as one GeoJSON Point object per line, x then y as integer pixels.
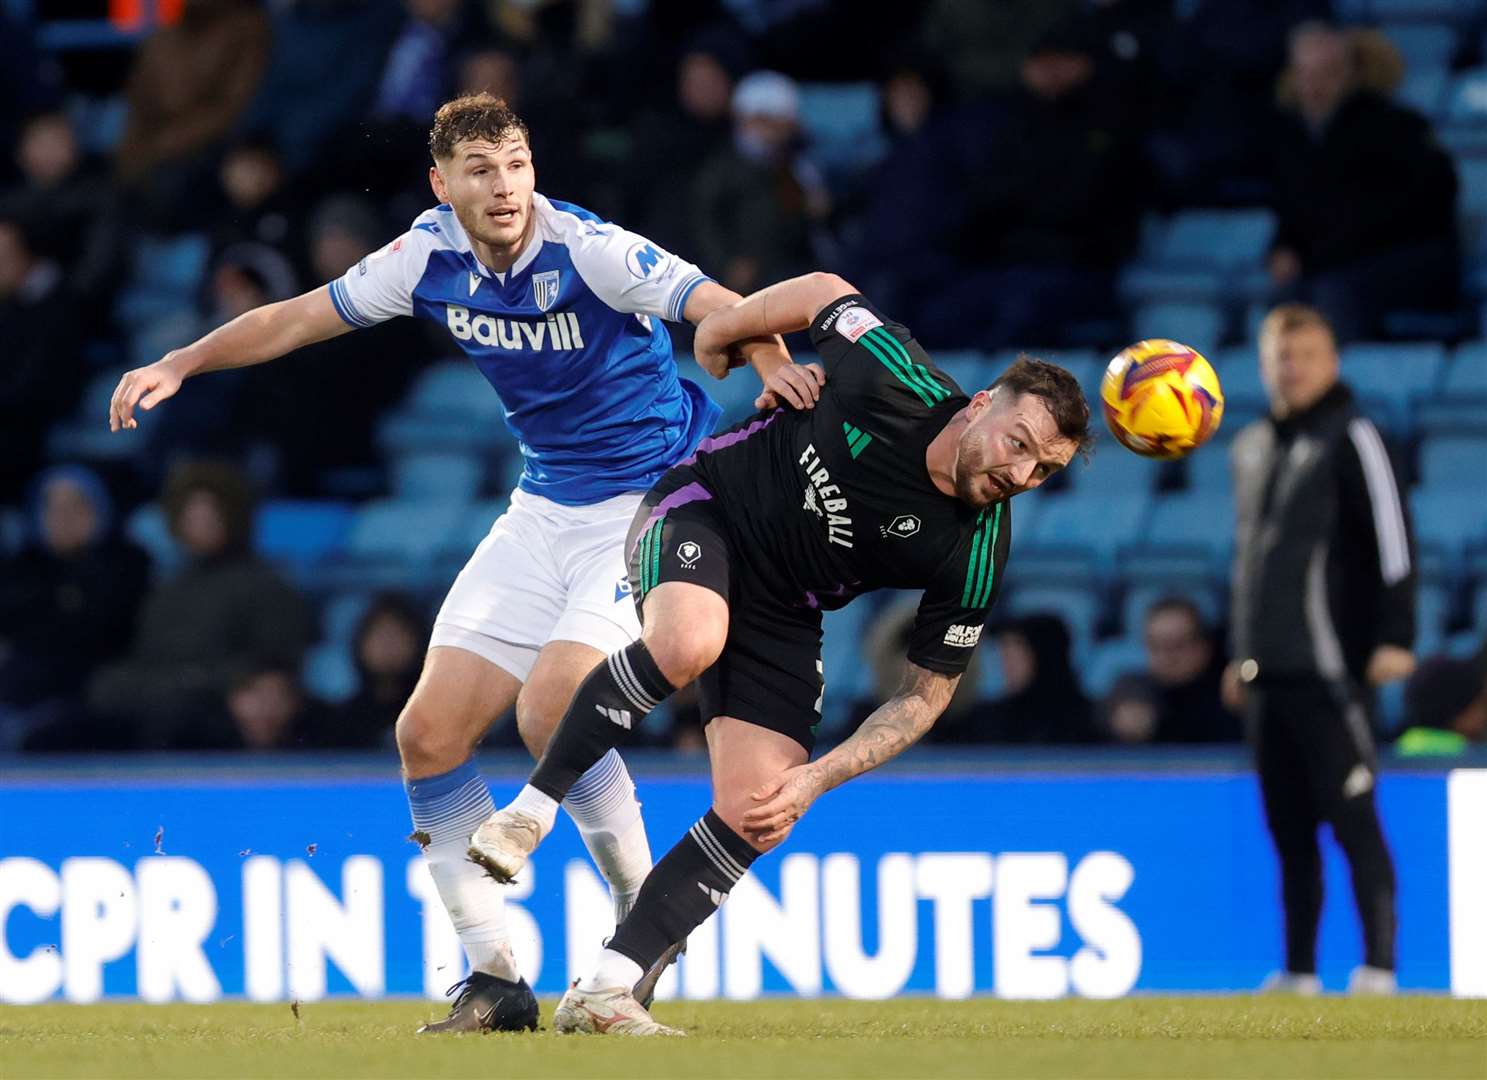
{"type": "Point", "coordinates": [829, 503]}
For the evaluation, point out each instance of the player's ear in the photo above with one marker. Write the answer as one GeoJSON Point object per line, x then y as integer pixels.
{"type": "Point", "coordinates": [436, 181]}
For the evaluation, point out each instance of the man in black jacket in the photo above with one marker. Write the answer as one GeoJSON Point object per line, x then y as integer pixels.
{"type": "Point", "coordinates": [1364, 195]}
{"type": "Point", "coordinates": [1323, 611]}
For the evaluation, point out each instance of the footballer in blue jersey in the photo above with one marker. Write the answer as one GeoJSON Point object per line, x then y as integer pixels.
{"type": "Point", "coordinates": [562, 313]}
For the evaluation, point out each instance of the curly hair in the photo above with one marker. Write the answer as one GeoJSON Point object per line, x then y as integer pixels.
{"type": "Point", "coordinates": [474, 116]}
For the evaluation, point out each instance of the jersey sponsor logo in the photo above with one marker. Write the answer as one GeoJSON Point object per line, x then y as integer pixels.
{"type": "Point", "coordinates": [856, 321]}
{"type": "Point", "coordinates": [833, 502]}
{"type": "Point", "coordinates": [545, 289]}
{"type": "Point", "coordinates": [615, 716]}
{"type": "Point", "coordinates": [559, 331]}
{"type": "Point", "coordinates": [904, 525]}
{"type": "Point", "coordinates": [962, 637]}
{"type": "Point", "coordinates": [689, 551]}
{"type": "Point", "coordinates": [642, 258]}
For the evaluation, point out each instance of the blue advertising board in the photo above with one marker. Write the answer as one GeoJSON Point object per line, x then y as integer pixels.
{"type": "Point", "coordinates": [1029, 884]}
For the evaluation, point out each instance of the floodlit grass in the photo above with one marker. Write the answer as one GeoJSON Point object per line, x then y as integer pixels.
{"type": "Point", "coordinates": [1135, 1037]}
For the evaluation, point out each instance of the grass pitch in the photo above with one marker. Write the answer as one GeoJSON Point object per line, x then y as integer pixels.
{"type": "Point", "coordinates": [917, 1037]}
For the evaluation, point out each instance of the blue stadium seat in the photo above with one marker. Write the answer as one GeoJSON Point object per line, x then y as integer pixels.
{"type": "Point", "coordinates": [844, 665]}
{"type": "Point", "coordinates": [735, 394]}
{"type": "Point", "coordinates": [1114, 470]}
{"type": "Point", "coordinates": [1424, 46]}
{"type": "Point", "coordinates": [1148, 281]}
{"type": "Point", "coordinates": [1436, 10]}
{"type": "Point", "coordinates": [476, 525]}
{"type": "Point", "coordinates": [1238, 369]}
{"type": "Point", "coordinates": [1433, 604]}
{"type": "Point", "coordinates": [1479, 609]}
{"type": "Point", "coordinates": [1195, 519]}
{"type": "Point", "coordinates": [330, 672]}
{"type": "Point", "coordinates": [1200, 326]}
{"type": "Point", "coordinates": [341, 613]}
{"type": "Point", "coordinates": [1455, 462]}
{"type": "Point", "coordinates": [147, 528]}
{"type": "Point", "coordinates": [970, 369]}
{"type": "Point", "coordinates": [1466, 98]}
{"type": "Point", "coordinates": [844, 125]}
{"type": "Point", "coordinates": [1078, 604]}
{"type": "Point", "coordinates": [1423, 88]}
{"type": "Point", "coordinates": [450, 407]}
{"type": "Point", "coordinates": [437, 474]}
{"type": "Point", "coordinates": [1388, 377]}
{"type": "Point", "coordinates": [1139, 597]}
{"type": "Point", "coordinates": [407, 533]}
{"type": "Point", "coordinates": [1223, 240]}
{"type": "Point", "coordinates": [302, 534]}
{"type": "Point", "coordinates": [1444, 518]}
{"type": "Point", "coordinates": [1467, 374]}
{"type": "Point", "coordinates": [1097, 520]}
{"type": "Point", "coordinates": [85, 435]}
{"type": "Point", "coordinates": [1109, 660]}
{"type": "Point", "coordinates": [1208, 470]}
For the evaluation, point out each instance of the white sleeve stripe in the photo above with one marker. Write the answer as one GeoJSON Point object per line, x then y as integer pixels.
{"type": "Point", "coordinates": [1383, 497]}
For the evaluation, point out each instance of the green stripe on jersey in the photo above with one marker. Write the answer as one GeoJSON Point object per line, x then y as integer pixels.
{"type": "Point", "coordinates": [916, 371]}
{"type": "Point", "coordinates": [981, 569]}
{"type": "Point", "coordinates": [656, 550]}
{"type": "Point", "coordinates": [891, 362]}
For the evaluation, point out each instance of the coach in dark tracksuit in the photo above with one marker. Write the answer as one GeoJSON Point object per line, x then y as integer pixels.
{"type": "Point", "coordinates": [1323, 612]}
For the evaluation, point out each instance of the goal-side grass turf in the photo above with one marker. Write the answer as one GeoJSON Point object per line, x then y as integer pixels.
{"type": "Point", "coordinates": [1188, 1037]}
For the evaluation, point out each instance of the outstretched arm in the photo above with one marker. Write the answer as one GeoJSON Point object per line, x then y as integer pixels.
{"type": "Point", "coordinates": [892, 728]}
{"type": "Point", "coordinates": [784, 381]}
{"type": "Point", "coordinates": [255, 336]}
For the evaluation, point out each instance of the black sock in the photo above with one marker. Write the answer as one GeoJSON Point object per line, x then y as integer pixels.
{"type": "Point", "coordinates": [609, 704]}
{"type": "Point", "coordinates": [683, 889]}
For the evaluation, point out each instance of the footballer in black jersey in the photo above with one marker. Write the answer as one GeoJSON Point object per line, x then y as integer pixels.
{"type": "Point", "coordinates": [897, 478]}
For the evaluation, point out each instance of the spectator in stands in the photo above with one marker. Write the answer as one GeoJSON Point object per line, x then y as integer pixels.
{"type": "Point", "coordinates": [1043, 702]}
{"type": "Point", "coordinates": [43, 362]}
{"type": "Point", "coordinates": [223, 615]}
{"type": "Point", "coordinates": [73, 196]}
{"type": "Point", "coordinates": [190, 83]}
{"type": "Point", "coordinates": [1364, 195]}
{"type": "Point", "coordinates": [1054, 209]}
{"type": "Point", "coordinates": [68, 601]}
{"type": "Point", "coordinates": [388, 649]}
{"type": "Point", "coordinates": [269, 710]}
{"type": "Point", "coordinates": [756, 204]}
{"type": "Point", "coordinates": [258, 204]}
{"type": "Point", "coordinates": [1445, 705]}
{"type": "Point", "coordinates": [672, 143]}
{"type": "Point", "coordinates": [1180, 684]}
{"type": "Point", "coordinates": [984, 45]}
{"type": "Point", "coordinates": [883, 649]}
{"type": "Point", "coordinates": [1323, 612]}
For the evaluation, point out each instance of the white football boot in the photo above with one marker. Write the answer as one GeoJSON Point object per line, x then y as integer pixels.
{"type": "Point", "coordinates": [502, 843]}
{"type": "Point", "coordinates": [605, 1012]}
{"type": "Point", "coordinates": [1372, 982]}
{"type": "Point", "coordinates": [1289, 982]}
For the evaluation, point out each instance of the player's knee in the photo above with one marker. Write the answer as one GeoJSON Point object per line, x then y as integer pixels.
{"type": "Point", "coordinates": [537, 717]}
{"type": "Point", "coordinates": [683, 653]}
{"type": "Point", "coordinates": [425, 745]}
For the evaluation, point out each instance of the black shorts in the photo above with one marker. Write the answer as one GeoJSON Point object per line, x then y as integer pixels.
{"type": "Point", "coordinates": [769, 673]}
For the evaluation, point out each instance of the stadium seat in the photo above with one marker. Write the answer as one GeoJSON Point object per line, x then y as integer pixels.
{"type": "Point", "coordinates": [396, 543]}
{"type": "Point", "coordinates": [1208, 470]}
{"type": "Point", "coordinates": [843, 122]}
{"type": "Point", "coordinates": [1196, 519]}
{"type": "Point", "coordinates": [437, 474]}
{"type": "Point", "coordinates": [1238, 369]}
{"type": "Point", "coordinates": [1455, 462]}
{"type": "Point", "coordinates": [1433, 604]}
{"type": "Point", "coordinates": [1079, 604]}
{"type": "Point", "coordinates": [1114, 470]}
{"type": "Point", "coordinates": [85, 435]}
{"type": "Point", "coordinates": [1109, 660]}
{"type": "Point", "coordinates": [1424, 46]}
{"type": "Point", "coordinates": [1444, 518]}
{"type": "Point", "coordinates": [1222, 240]}
{"type": "Point", "coordinates": [1479, 609]}
{"type": "Point", "coordinates": [1466, 98]}
{"type": "Point", "coordinates": [475, 525]}
{"type": "Point", "coordinates": [1137, 597]}
{"type": "Point", "coordinates": [340, 615]}
{"type": "Point", "coordinates": [970, 369]}
{"type": "Point", "coordinates": [1423, 88]}
{"type": "Point", "coordinates": [1387, 377]}
{"type": "Point", "coordinates": [1200, 326]}
{"type": "Point", "coordinates": [1149, 281]}
{"type": "Point", "coordinates": [1095, 520]}
{"type": "Point", "coordinates": [302, 534]}
{"type": "Point", "coordinates": [329, 672]}
{"type": "Point", "coordinates": [735, 394]}
{"type": "Point", "coordinates": [1466, 376]}
{"type": "Point", "coordinates": [844, 667]}
{"type": "Point", "coordinates": [450, 407]}
{"type": "Point", "coordinates": [147, 528]}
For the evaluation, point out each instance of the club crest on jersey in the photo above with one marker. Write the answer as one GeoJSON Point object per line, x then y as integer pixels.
{"type": "Point", "coordinates": [545, 289]}
{"type": "Point", "coordinates": [689, 552]}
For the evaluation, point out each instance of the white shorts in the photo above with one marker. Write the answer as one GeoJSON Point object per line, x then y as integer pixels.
{"type": "Point", "coordinates": [545, 572]}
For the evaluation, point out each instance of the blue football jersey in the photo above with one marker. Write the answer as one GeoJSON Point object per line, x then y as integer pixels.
{"type": "Point", "coordinates": [571, 337]}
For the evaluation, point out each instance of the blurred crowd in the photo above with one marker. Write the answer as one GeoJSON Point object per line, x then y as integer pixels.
{"type": "Point", "coordinates": [1016, 147]}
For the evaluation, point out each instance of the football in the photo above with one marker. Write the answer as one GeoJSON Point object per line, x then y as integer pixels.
{"type": "Point", "coordinates": [1161, 399]}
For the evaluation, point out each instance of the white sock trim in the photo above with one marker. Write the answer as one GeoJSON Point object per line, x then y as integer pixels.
{"type": "Point", "coordinates": [612, 970]}
{"type": "Point", "coordinates": [536, 804]}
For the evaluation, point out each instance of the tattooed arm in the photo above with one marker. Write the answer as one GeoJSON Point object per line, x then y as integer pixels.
{"type": "Point", "coordinates": [892, 728]}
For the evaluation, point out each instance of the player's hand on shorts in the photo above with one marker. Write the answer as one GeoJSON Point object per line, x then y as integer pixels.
{"type": "Point", "coordinates": [144, 387]}
{"type": "Point", "coordinates": [782, 802]}
{"type": "Point", "coordinates": [795, 385]}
